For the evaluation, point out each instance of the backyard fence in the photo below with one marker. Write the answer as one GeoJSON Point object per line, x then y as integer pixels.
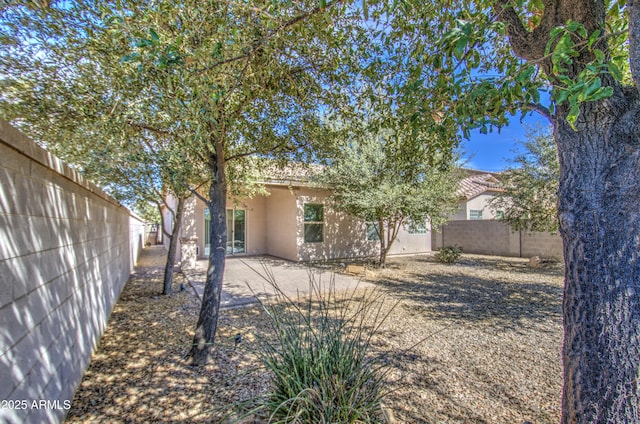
{"type": "Point", "coordinates": [489, 237]}
{"type": "Point", "coordinates": [66, 250]}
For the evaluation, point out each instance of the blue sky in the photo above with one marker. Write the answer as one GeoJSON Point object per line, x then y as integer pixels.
{"type": "Point", "coordinates": [491, 152]}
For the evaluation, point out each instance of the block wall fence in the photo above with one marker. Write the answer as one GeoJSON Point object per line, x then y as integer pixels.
{"type": "Point", "coordinates": [489, 237]}
{"type": "Point", "coordinates": [66, 250]}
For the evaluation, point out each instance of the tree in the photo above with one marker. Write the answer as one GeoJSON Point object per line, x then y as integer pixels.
{"type": "Point", "coordinates": [482, 60]}
{"type": "Point", "coordinates": [530, 185]}
{"type": "Point", "coordinates": [62, 85]}
{"type": "Point", "coordinates": [391, 181]}
{"type": "Point", "coordinates": [221, 81]}
{"type": "Point", "coordinates": [243, 79]}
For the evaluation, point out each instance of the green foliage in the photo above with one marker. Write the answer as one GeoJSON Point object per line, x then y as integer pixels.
{"type": "Point", "coordinates": [587, 86]}
{"type": "Point", "coordinates": [66, 87]}
{"type": "Point", "coordinates": [449, 254]}
{"type": "Point", "coordinates": [470, 68]}
{"type": "Point", "coordinates": [116, 86]}
{"type": "Point", "coordinates": [320, 361]}
{"type": "Point", "coordinates": [531, 184]}
{"type": "Point", "coordinates": [390, 175]}
{"type": "Point", "coordinates": [147, 211]}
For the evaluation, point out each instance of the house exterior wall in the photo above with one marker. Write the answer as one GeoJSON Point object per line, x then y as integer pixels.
{"type": "Point", "coordinates": [480, 202]}
{"type": "Point", "coordinates": [461, 214]}
{"type": "Point", "coordinates": [199, 209]}
{"type": "Point", "coordinates": [345, 236]}
{"type": "Point", "coordinates": [275, 226]}
{"type": "Point", "coordinates": [66, 250]}
{"type": "Point", "coordinates": [281, 223]}
{"type": "Point", "coordinates": [411, 244]}
{"type": "Point", "coordinates": [256, 223]}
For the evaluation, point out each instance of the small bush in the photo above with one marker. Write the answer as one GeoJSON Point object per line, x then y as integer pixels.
{"type": "Point", "coordinates": [448, 254]}
{"type": "Point", "coordinates": [319, 360]}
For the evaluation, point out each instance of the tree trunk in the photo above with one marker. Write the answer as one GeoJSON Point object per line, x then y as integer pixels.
{"type": "Point", "coordinates": [173, 247]}
{"type": "Point", "coordinates": [161, 230]}
{"type": "Point", "coordinates": [210, 309]}
{"type": "Point", "coordinates": [599, 214]}
{"type": "Point", "coordinates": [388, 235]}
{"type": "Point", "coordinates": [383, 244]}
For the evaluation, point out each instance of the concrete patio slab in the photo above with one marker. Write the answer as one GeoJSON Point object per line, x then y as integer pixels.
{"type": "Point", "coordinates": [247, 277]}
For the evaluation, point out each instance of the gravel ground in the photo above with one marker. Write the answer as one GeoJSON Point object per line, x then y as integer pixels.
{"type": "Point", "coordinates": [474, 342]}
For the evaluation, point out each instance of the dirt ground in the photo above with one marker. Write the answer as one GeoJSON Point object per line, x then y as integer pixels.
{"type": "Point", "coordinates": [474, 342]}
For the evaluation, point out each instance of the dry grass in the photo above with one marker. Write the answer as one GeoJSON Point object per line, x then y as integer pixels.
{"type": "Point", "coordinates": [490, 351]}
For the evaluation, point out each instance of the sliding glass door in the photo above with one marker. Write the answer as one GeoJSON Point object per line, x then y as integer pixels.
{"type": "Point", "coordinates": [236, 226]}
{"type": "Point", "coordinates": [236, 229]}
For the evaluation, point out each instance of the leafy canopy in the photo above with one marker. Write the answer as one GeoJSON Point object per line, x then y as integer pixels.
{"type": "Point", "coordinates": [389, 176]}
{"type": "Point", "coordinates": [477, 62]}
{"type": "Point", "coordinates": [529, 199]}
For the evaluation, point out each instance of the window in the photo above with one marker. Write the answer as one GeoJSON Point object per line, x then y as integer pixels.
{"type": "Point", "coordinates": [499, 215]}
{"type": "Point", "coordinates": [373, 233]}
{"type": "Point", "coordinates": [313, 222]}
{"type": "Point", "coordinates": [475, 214]}
{"type": "Point", "coordinates": [417, 227]}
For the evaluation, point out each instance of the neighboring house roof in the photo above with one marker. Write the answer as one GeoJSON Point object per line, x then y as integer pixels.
{"type": "Point", "coordinates": [476, 184]}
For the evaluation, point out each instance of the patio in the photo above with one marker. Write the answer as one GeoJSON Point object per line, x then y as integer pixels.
{"type": "Point", "coordinates": [247, 277]}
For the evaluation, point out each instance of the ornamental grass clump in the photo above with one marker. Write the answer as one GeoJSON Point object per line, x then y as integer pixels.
{"type": "Point", "coordinates": [319, 358]}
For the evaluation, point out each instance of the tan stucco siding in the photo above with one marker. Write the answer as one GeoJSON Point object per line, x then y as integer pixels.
{"type": "Point", "coordinates": [343, 236]}
{"type": "Point", "coordinates": [281, 224]}
{"type": "Point", "coordinates": [256, 223]}
{"type": "Point", "coordinates": [461, 214]}
{"type": "Point", "coordinates": [409, 244]}
{"type": "Point", "coordinates": [275, 226]}
{"type": "Point", "coordinates": [481, 202]}
{"type": "Point", "coordinates": [199, 225]}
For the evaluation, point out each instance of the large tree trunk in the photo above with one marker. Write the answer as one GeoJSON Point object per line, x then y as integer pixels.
{"type": "Point", "coordinates": [173, 247]}
{"type": "Point", "coordinates": [599, 214]}
{"type": "Point", "coordinates": [210, 309]}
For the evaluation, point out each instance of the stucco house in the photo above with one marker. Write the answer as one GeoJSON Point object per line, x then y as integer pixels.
{"type": "Point", "coordinates": [476, 191]}
{"type": "Point", "coordinates": [294, 221]}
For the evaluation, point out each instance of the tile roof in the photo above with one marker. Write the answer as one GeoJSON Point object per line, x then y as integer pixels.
{"type": "Point", "coordinates": [476, 184]}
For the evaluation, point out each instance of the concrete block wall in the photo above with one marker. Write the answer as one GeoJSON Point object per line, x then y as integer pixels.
{"type": "Point", "coordinates": [541, 244]}
{"type": "Point", "coordinates": [490, 237]}
{"type": "Point", "coordinates": [66, 250]}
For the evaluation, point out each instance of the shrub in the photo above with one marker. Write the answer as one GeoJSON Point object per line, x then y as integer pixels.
{"type": "Point", "coordinates": [319, 359]}
{"type": "Point", "coordinates": [448, 254]}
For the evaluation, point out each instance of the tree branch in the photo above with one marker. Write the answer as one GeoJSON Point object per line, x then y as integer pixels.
{"type": "Point", "coordinates": [542, 110]}
{"type": "Point", "coordinates": [523, 42]}
{"type": "Point", "coordinates": [258, 43]}
{"type": "Point", "coordinates": [194, 191]}
{"type": "Point", "coordinates": [143, 126]}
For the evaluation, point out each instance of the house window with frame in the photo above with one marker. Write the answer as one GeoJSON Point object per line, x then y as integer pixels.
{"type": "Point", "coordinates": [475, 214]}
{"type": "Point", "coordinates": [417, 227]}
{"type": "Point", "coordinates": [313, 222]}
{"type": "Point", "coordinates": [373, 231]}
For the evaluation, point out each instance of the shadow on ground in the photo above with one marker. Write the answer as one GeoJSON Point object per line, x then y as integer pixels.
{"type": "Point", "coordinates": [504, 291]}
